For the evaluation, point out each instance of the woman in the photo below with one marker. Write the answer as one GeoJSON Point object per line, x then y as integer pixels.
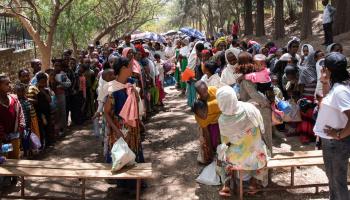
{"type": "Point", "coordinates": [229, 75]}
{"type": "Point", "coordinates": [12, 121]}
{"type": "Point", "coordinates": [113, 107]}
{"type": "Point", "coordinates": [241, 126]}
{"type": "Point", "coordinates": [40, 97]}
{"type": "Point", "coordinates": [194, 64]}
{"type": "Point", "coordinates": [333, 124]}
{"type": "Point", "coordinates": [306, 50]}
{"type": "Point", "coordinates": [249, 93]}
{"type": "Point", "coordinates": [210, 77]}
{"type": "Point", "coordinates": [221, 44]}
{"type": "Point", "coordinates": [307, 86]}
{"type": "Point", "coordinates": [293, 47]}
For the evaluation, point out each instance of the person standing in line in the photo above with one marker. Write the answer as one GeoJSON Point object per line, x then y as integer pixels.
{"type": "Point", "coordinates": [328, 14]}
{"type": "Point", "coordinates": [235, 29]}
{"type": "Point", "coordinates": [333, 125]}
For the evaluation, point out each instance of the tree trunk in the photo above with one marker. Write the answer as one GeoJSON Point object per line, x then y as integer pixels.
{"type": "Point", "coordinates": [260, 18]}
{"type": "Point", "coordinates": [306, 27]}
{"type": "Point", "coordinates": [340, 18]}
{"type": "Point", "coordinates": [248, 17]}
{"type": "Point", "coordinates": [210, 19]}
{"type": "Point", "coordinates": [279, 20]}
{"type": "Point", "coordinates": [45, 56]}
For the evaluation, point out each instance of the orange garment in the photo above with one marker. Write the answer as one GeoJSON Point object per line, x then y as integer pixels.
{"type": "Point", "coordinates": [129, 112]}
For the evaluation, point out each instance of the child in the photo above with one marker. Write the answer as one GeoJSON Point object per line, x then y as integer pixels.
{"type": "Point", "coordinates": [261, 76]}
{"type": "Point", "coordinates": [160, 78]}
{"type": "Point", "coordinates": [31, 120]}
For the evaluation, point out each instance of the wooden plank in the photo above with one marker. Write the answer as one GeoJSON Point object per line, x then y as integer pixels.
{"type": "Point", "coordinates": [295, 162]}
{"type": "Point", "coordinates": [67, 173]}
{"type": "Point", "coordinates": [66, 165]}
{"type": "Point", "coordinates": [297, 154]}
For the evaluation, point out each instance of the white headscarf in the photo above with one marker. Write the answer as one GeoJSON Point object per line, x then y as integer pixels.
{"type": "Point", "coordinates": [184, 51]}
{"type": "Point", "coordinates": [228, 75]}
{"type": "Point", "coordinates": [310, 48]}
{"type": "Point", "coordinates": [192, 59]}
{"type": "Point", "coordinates": [237, 117]}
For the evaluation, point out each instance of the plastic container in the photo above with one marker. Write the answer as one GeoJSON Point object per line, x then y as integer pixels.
{"type": "Point", "coordinates": [5, 148]}
{"type": "Point", "coordinates": [284, 106]}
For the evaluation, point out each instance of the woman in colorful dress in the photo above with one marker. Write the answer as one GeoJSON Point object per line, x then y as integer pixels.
{"type": "Point", "coordinates": [118, 94]}
{"type": "Point", "coordinates": [241, 128]}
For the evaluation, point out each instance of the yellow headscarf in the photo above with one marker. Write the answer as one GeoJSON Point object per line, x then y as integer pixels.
{"type": "Point", "coordinates": [220, 40]}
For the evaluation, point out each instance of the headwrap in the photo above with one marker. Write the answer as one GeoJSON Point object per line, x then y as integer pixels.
{"type": "Point", "coordinates": [272, 50]}
{"type": "Point", "coordinates": [220, 40]}
{"type": "Point", "coordinates": [192, 59]}
{"type": "Point", "coordinates": [136, 68]}
{"type": "Point", "coordinates": [140, 49]}
{"type": "Point", "coordinates": [294, 39]}
{"type": "Point", "coordinates": [228, 75]}
{"type": "Point", "coordinates": [310, 48]}
{"type": "Point", "coordinates": [308, 72]}
{"type": "Point", "coordinates": [329, 47]}
{"type": "Point", "coordinates": [126, 51]}
{"type": "Point", "coordinates": [237, 116]}
{"type": "Point", "coordinates": [286, 57]}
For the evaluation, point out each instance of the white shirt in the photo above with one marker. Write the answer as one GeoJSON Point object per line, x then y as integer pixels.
{"type": "Point", "coordinates": [327, 14]}
{"type": "Point", "coordinates": [332, 110]}
{"type": "Point", "coordinates": [319, 89]}
{"type": "Point", "coordinates": [213, 80]}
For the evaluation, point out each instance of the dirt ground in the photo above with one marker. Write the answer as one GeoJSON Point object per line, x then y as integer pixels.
{"type": "Point", "coordinates": [171, 146]}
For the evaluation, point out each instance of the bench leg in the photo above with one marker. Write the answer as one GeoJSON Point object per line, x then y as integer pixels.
{"type": "Point", "coordinates": [292, 176]}
{"type": "Point", "coordinates": [82, 189]}
{"type": "Point", "coordinates": [138, 189]}
{"type": "Point", "coordinates": [240, 185]}
{"type": "Point", "coordinates": [22, 186]}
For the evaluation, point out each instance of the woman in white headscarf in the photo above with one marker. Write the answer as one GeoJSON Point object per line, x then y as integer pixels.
{"type": "Point", "coordinates": [228, 75]}
{"type": "Point", "coordinates": [241, 128]}
{"type": "Point", "coordinates": [306, 51]}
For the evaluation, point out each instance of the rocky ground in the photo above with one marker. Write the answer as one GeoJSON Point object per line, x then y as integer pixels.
{"type": "Point", "coordinates": [171, 145]}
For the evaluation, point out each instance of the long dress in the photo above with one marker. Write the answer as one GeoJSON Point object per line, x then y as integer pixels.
{"type": "Point", "coordinates": [133, 139]}
{"type": "Point", "coordinates": [249, 93]}
{"type": "Point", "coordinates": [248, 153]}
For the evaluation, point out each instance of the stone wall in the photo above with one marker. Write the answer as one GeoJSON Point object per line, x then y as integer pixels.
{"type": "Point", "coordinates": [11, 61]}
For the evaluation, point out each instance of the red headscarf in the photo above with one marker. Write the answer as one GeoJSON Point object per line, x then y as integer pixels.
{"type": "Point", "coordinates": [140, 49]}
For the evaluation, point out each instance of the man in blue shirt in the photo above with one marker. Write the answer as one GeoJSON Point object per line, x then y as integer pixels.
{"type": "Point", "coordinates": [328, 14]}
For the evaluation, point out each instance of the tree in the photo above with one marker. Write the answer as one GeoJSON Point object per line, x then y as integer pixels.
{"type": "Point", "coordinates": [260, 18]}
{"type": "Point", "coordinates": [341, 19]}
{"type": "Point", "coordinates": [306, 27]}
{"type": "Point", "coordinates": [46, 20]}
{"type": "Point", "coordinates": [248, 18]}
{"type": "Point", "coordinates": [279, 20]}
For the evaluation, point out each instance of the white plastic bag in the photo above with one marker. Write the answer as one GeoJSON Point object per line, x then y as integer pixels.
{"type": "Point", "coordinates": [221, 151]}
{"type": "Point", "coordinates": [121, 155]}
{"type": "Point", "coordinates": [208, 175]}
{"type": "Point", "coordinates": [36, 144]}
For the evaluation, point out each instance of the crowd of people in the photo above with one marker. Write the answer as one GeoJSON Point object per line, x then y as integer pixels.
{"type": "Point", "coordinates": [239, 91]}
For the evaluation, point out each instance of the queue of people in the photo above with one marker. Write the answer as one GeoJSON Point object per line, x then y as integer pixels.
{"type": "Point", "coordinates": [246, 91]}
{"type": "Point", "coordinates": [239, 91]}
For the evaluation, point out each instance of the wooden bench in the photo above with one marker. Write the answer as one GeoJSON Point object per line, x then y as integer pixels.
{"type": "Point", "coordinates": [80, 171]}
{"type": "Point", "coordinates": [290, 160]}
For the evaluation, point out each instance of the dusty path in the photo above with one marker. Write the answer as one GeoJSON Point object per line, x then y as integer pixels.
{"type": "Point", "coordinates": [171, 145]}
